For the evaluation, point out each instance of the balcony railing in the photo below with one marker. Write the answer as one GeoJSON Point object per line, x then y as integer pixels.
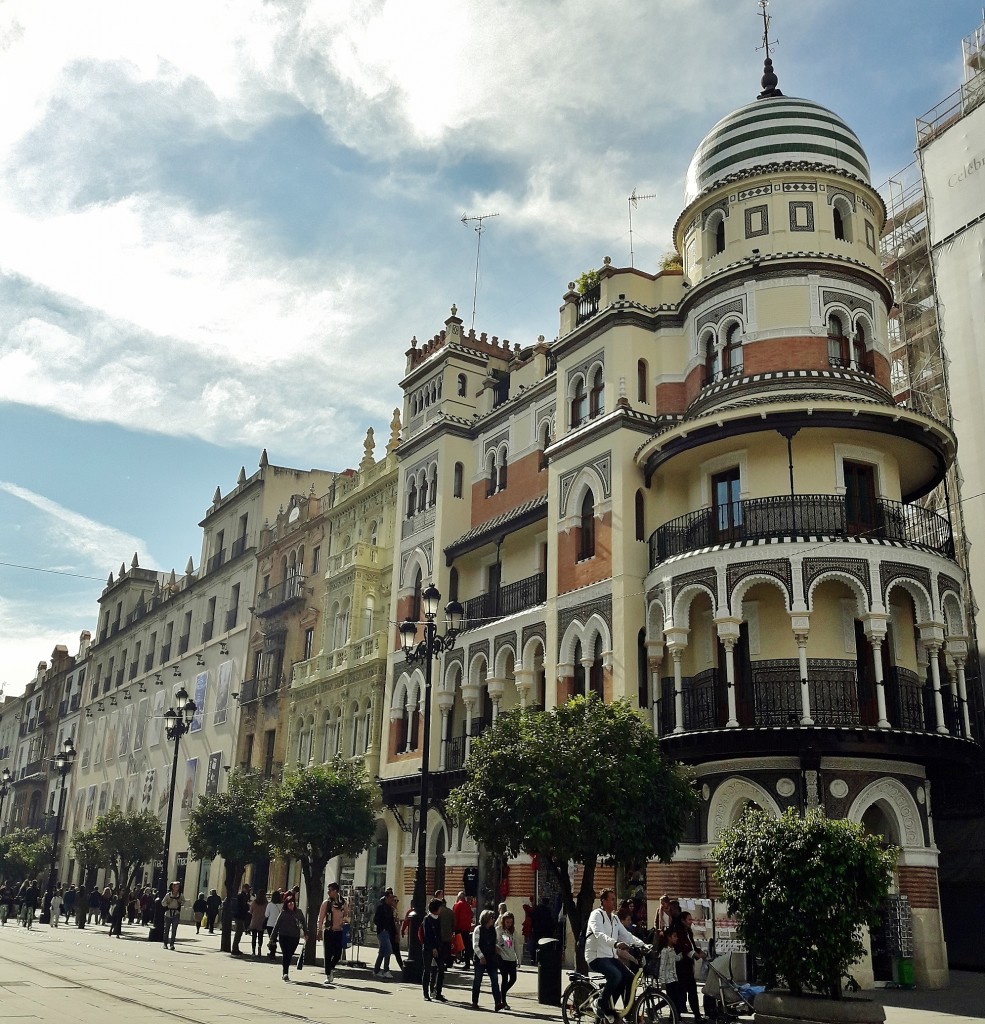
{"type": "Point", "coordinates": [814, 515]}
{"type": "Point", "coordinates": [454, 753]}
{"type": "Point", "coordinates": [32, 768]}
{"type": "Point", "coordinates": [771, 696]}
{"type": "Point", "coordinates": [216, 561]}
{"type": "Point", "coordinates": [231, 619]}
{"type": "Point", "coordinates": [239, 546]}
{"type": "Point", "coordinates": [509, 599]}
{"type": "Point", "coordinates": [183, 642]}
{"type": "Point", "coordinates": [259, 687]}
{"type": "Point", "coordinates": [281, 595]}
{"type": "Point", "coordinates": [588, 304]}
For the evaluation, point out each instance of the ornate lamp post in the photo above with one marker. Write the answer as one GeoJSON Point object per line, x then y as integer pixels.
{"type": "Point", "coordinates": [176, 724]}
{"type": "Point", "coordinates": [425, 652]}
{"type": "Point", "coordinates": [63, 765]}
{"type": "Point", "coordinates": [5, 778]}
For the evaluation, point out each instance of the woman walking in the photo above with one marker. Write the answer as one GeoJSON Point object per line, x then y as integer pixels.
{"type": "Point", "coordinates": [213, 904]}
{"type": "Point", "coordinates": [258, 922]}
{"type": "Point", "coordinates": [509, 946]}
{"type": "Point", "coordinates": [274, 907]}
{"type": "Point", "coordinates": [290, 928]}
{"type": "Point", "coordinates": [484, 945]}
{"type": "Point", "coordinates": [199, 909]}
{"type": "Point", "coordinates": [172, 911]}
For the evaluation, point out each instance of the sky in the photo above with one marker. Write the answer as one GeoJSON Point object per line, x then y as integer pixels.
{"type": "Point", "coordinates": [221, 223]}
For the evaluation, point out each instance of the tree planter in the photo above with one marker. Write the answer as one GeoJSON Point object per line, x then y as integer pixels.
{"type": "Point", "coordinates": [784, 1008]}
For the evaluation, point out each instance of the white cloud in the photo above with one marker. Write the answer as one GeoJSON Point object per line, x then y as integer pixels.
{"type": "Point", "coordinates": [27, 640]}
{"type": "Point", "coordinates": [97, 544]}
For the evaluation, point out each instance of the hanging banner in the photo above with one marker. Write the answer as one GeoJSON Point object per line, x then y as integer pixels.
{"type": "Point", "coordinates": [212, 776]}
{"type": "Point", "coordinates": [201, 683]}
{"type": "Point", "coordinates": [222, 694]}
{"type": "Point", "coordinates": [188, 791]}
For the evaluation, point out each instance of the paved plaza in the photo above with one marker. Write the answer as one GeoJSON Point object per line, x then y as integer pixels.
{"type": "Point", "coordinates": [86, 977]}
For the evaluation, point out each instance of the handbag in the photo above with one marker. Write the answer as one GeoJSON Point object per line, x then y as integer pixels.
{"type": "Point", "coordinates": [457, 944]}
{"type": "Point", "coordinates": [300, 964]}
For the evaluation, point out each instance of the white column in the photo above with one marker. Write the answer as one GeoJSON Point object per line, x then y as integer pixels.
{"type": "Point", "coordinates": [962, 693]}
{"type": "Point", "coordinates": [933, 649]}
{"type": "Point", "coordinates": [653, 666]}
{"type": "Point", "coordinates": [677, 653]}
{"type": "Point", "coordinates": [805, 690]}
{"type": "Point", "coordinates": [470, 695]}
{"type": "Point", "coordinates": [496, 688]}
{"type": "Point", "coordinates": [446, 701]}
{"type": "Point", "coordinates": [728, 633]}
{"type": "Point", "coordinates": [524, 684]}
{"type": "Point", "coordinates": [409, 712]}
{"type": "Point", "coordinates": [876, 642]}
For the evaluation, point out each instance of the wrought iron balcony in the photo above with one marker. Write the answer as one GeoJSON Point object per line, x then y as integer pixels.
{"type": "Point", "coordinates": [239, 546]}
{"type": "Point", "coordinates": [509, 599]}
{"type": "Point", "coordinates": [281, 595]}
{"type": "Point", "coordinates": [216, 561]}
{"type": "Point", "coordinates": [771, 697]}
{"type": "Point", "coordinates": [588, 304]}
{"type": "Point", "coordinates": [454, 753]}
{"type": "Point", "coordinates": [804, 515]}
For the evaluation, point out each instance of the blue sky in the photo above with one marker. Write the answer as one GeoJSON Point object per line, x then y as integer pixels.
{"type": "Point", "coordinates": [221, 223]}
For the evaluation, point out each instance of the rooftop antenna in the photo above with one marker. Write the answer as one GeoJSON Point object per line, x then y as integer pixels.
{"type": "Point", "coordinates": [633, 200]}
{"type": "Point", "coordinates": [478, 246]}
{"type": "Point", "coordinates": [769, 80]}
{"type": "Point", "coordinates": [767, 18]}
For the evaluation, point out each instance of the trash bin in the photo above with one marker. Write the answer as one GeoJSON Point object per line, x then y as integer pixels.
{"type": "Point", "coordinates": [904, 972]}
{"type": "Point", "coordinates": [549, 972]}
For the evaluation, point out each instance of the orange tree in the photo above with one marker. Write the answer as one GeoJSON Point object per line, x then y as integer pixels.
{"type": "Point", "coordinates": [577, 784]}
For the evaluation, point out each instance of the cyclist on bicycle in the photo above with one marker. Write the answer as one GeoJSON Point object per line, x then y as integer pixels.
{"type": "Point", "coordinates": [605, 937]}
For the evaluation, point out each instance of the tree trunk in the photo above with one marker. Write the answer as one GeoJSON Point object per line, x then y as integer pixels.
{"type": "Point", "coordinates": [576, 910]}
{"type": "Point", "coordinates": [313, 869]}
{"type": "Point", "coordinates": [234, 875]}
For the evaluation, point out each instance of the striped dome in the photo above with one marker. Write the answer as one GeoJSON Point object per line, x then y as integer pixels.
{"type": "Point", "coordinates": [777, 129]}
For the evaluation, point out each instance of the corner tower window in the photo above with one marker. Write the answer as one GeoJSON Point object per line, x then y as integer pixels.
{"type": "Point", "coordinates": [733, 350]}
{"type": "Point", "coordinates": [586, 546]}
{"type": "Point", "coordinates": [720, 237]}
{"type": "Point", "coordinates": [579, 402]}
{"type": "Point", "coordinates": [596, 399]}
{"type": "Point", "coordinates": [838, 354]}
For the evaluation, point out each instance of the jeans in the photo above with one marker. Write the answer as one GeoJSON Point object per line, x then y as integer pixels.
{"type": "Point", "coordinates": [288, 947]}
{"type": "Point", "coordinates": [507, 975]}
{"type": "Point", "coordinates": [489, 967]}
{"type": "Point", "coordinates": [333, 950]}
{"type": "Point", "coordinates": [386, 951]}
{"type": "Point", "coordinates": [240, 926]}
{"type": "Point", "coordinates": [256, 940]}
{"type": "Point", "coordinates": [617, 979]}
{"type": "Point", "coordinates": [170, 929]}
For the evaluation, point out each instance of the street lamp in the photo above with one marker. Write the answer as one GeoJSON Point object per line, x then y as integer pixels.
{"type": "Point", "coordinates": [425, 652]}
{"type": "Point", "coordinates": [5, 779]}
{"type": "Point", "coordinates": [176, 724]}
{"type": "Point", "coordinates": [63, 765]}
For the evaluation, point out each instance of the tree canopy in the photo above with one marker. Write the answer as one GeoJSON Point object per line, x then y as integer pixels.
{"type": "Point", "coordinates": [24, 852]}
{"type": "Point", "coordinates": [579, 783]}
{"type": "Point", "coordinates": [801, 888]}
{"type": "Point", "coordinates": [225, 825]}
{"type": "Point", "coordinates": [315, 814]}
{"type": "Point", "coordinates": [127, 841]}
{"type": "Point", "coordinates": [88, 852]}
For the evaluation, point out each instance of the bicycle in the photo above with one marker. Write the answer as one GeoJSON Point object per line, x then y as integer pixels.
{"type": "Point", "coordinates": [651, 1005]}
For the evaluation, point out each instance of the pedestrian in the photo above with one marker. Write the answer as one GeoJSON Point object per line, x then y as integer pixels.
{"type": "Point", "coordinates": [94, 906]}
{"type": "Point", "coordinates": [172, 912]}
{"type": "Point", "coordinates": [199, 910]}
{"type": "Point", "coordinates": [68, 902]}
{"type": "Point", "coordinates": [289, 930]}
{"type": "Point", "coordinates": [667, 976]}
{"type": "Point", "coordinates": [105, 903]}
{"type": "Point", "coordinates": [258, 923]}
{"type": "Point", "coordinates": [394, 935]}
{"type": "Point", "coordinates": [241, 917]}
{"type": "Point", "coordinates": [6, 902]}
{"type": "Point", "coordinates": [463, 926]}
{"type": "Point", "coordinates": [331, 917]}
{"type": "Point", "coordinates": [509, 947]}
{"type": "Point", "coordinates": [213, 903]}
{"type": "Point", "coordinates": [29, 904]}
{"type": "Point", "coordinates": [685, 966]}
{"type": "Point", "coordinates": [528, 924]}
{"type": "Point", "coordinates": [446, 918]}
{"type": "Point", "coordinates": [386, 925]}
{"type": "Point", "coordinates": [484, 944]}
{"type": "Point", "coordinates": [116, 915]}
{"type": "Point", "coordinates": [432, 958]}
{"type": "Point", "coordinates": [146, 906]}
{"type": "Point", "coordinates": [274, 907]}
{"type": "Point", "coordinates": [81, 907]}
{"type": "Point", "coordinates": [664, 918]}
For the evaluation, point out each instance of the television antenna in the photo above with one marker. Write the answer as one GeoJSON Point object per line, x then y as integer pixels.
{"type": "Point", "coordinates": [466, 220]}
{"type": "Point", "coordinates": [633, 201]}
{"type": "Point", "coordinates": [767, 18]}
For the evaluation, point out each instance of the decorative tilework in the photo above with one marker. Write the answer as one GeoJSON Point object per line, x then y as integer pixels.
{"type": "Point", "coordinates": [602, 465]}
{"type": "Point", "coordinates": [800, 186]}
{"type": "Point", "coordinates": [757, 221]}
{"type": "Point", "coordinates": [536, 629]}
{"type": "Point", "coordinates": [834, 191]}
{"type": "Point", "coordinates": [722, 205]}
{"type": "Point", "coordinates": [700, 577]}
{"type": "Point", "coordinates": [714, 316]}
{"type": "Point", "coordinates": [846, 299]}
{"type": "Point", "coordinates": [751, 193]}
{"type": "Point", "coordinates": [801, 216]}
{"type": "Point", "coordinates": [813, 568]}
{"type": "Point", "coordinates": [778, 568]}
{"type": "Point", "coordinates": [870, 236]}
{"type": "Point", "coordinates": [889, 572]}
{"type": "Point", "coordinates": [601, 606]}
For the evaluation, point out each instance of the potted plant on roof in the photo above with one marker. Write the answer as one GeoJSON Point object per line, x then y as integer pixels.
{"type": "Point", "coordinates": [801, 889]}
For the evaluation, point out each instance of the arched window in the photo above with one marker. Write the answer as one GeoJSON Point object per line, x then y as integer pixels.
{"type": "Point", "coordinates": [579, 674]}
{"type": "Point", "coordinates": [545, 443]}
{"type": "Point", "coordinates": [838, 354]}
{"type": "Point", "coordinates": [462, 385]}
{"type": "Point", "coordinates": [841, 218]}
{"type": "Point", "coordinates": [415, 608]}
{"type": "Point", "coordinates": [642, 381]}
{"type": "Point", "coordinates": [453, 584]}
{"type": "Point", "coordinates": [596, 398]}
{"type": "Point", "coordinates": [369, 612]}
{"type": "Point", "coordinates": [492, 477]}
{"type": "Point", "coordinates": [839, 224]}
{"type": "Point", "coordinates": [713, 365]}
{"type": "Point", "coordinates": [595, 673]}
{"type": "Point", "coordinates": [433, 489]}
{"type": "Point", "coordinates": [411, 499]}
{"type": "Point", "coordinates": [720, 236]}
{"type": "Point", "coordinates": [579, 402]}
{"type": "Point", "coordinates": [859, 354]}
{"type": "Point", "coordinates": [458, 480]}
{"type": "Point", "coordinates": [640, 528]}
{"type": "Point", "coordinates": [586, 546]}
{"type": "Point", "coordinates": [422, 493]}
{"type": "Point", "coordinates": [374, 531]}
{"type": "Point", "coordinates": [733, 350]}
{"type": "Point", "coordinates": [501, 482]}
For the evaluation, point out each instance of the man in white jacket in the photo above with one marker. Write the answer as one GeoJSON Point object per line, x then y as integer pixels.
{"type": "Point", "coordinates": [604, 937]}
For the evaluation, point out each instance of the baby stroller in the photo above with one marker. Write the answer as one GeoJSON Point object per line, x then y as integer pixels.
{"type": "Point", "coordinates": [725, 1000]}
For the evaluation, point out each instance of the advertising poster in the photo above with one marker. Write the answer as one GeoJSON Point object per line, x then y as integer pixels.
{"type": "Point", "coordinates": [188, 790]}
{"type": "Point", "coordinates": [80, 800]}
{"type": "Point", "coordinates": [126, 723]}
{"type": "Point", "coordinates": [138, 732]}
{"type": "Point", "coordinates": [201, 683]}
{"type": "Point", "coordinates": [147, 793]}
{"type": "Point", "coordinates": [156, 719]}
{"type": "Point", "coordinates": [117, 798]}
{"type": "Point", "coordinates": [110, 750]}
{"type": "Point", "coordinates": [103, 799]}
{"type": "Point", "coordinates": [222, 693]}
{"type": "Point", "coordinates": [162, 797]}
{"type": "Point", "coordinates": [212, 776]}
{"type": "Point", "coordinates": [99, 741]}
{"type": "Point", "coordinates": [90, 804]}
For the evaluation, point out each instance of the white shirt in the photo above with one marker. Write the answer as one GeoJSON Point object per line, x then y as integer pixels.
{"type": "Point", "coordinates": [604, 931]}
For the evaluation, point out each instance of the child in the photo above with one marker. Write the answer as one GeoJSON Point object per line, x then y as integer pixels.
{"type": "Point", "coordinates": [667, 978]}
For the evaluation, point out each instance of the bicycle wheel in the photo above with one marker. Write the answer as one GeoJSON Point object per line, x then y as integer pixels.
{"type": "Point", "coordinates": [576, 1002]}
{"type": "Point", "coordinates": [654, 1007]}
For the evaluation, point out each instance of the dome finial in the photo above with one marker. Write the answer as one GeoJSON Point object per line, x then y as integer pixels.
{"type": "Point", "coordinates": [769, 80]}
